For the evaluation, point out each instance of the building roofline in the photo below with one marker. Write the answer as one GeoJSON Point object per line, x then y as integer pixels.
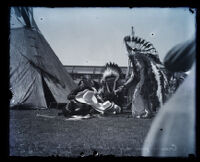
{"type": "Point", "coordinates": [90, 66]}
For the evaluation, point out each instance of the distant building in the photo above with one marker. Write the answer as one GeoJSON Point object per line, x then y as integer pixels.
{"type": "Point", "coordinates": [77, 72]}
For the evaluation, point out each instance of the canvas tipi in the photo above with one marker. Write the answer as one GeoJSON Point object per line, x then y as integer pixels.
{"type": "Point", "coordinates": [37, 77]}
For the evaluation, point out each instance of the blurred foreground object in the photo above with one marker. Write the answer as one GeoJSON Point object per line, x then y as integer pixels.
{"type": "Point", "coordinates": [181, 57]}
{"type": "Point", "coordinates": [172, 133]}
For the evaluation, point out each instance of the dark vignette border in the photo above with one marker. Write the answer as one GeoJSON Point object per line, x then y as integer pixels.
{"type": "Point", "coordinates": [6, 95]}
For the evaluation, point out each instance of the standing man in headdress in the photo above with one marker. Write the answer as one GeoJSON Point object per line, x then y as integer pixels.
{"type": "Point", "coordinates": [149, 82]}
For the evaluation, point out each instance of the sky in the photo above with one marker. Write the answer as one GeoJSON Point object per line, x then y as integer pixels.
{"type": "Point", "coordinates": [94, 36]}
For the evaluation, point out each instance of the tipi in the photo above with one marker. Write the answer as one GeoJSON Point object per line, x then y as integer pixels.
{"type": "Point", "coordinates": [37, 77]}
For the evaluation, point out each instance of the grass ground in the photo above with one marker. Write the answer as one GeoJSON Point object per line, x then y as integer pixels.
{"type": "Point", "coordinates": [34, 135]}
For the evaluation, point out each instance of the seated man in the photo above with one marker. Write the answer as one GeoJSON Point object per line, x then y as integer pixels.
{"type": "Point", "coordinates": [85, 99]}
{"type": "Point", "coordinates": [74, 107]}
{"type": "Point", "coordinates": [110, 82]}
{"type": "Point", "coordinates": [109, 94]}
